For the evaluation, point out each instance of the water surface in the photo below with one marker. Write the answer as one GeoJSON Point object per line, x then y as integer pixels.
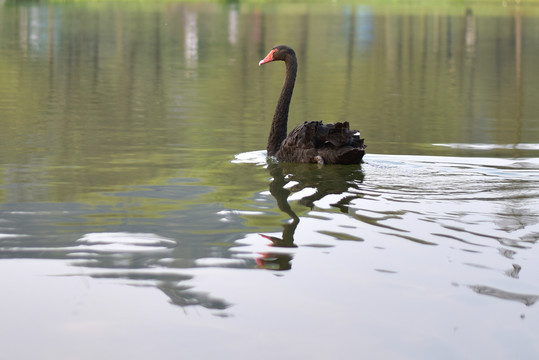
{"type": "Point", "coordinates": [139, 216]}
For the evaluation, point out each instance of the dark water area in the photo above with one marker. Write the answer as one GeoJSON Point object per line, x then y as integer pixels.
{"type": "Point", "coordinates": [140, 217]}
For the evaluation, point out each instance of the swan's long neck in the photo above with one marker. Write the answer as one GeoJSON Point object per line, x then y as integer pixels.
{"type": "Point", "coordinates": [278, 130]}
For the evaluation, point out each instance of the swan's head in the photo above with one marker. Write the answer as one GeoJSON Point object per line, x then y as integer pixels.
{"type": "Point", "coordinates": [279, 52]}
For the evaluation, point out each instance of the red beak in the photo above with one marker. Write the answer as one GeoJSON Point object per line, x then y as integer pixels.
{"type": "Point", "coordinates": [268, 57]}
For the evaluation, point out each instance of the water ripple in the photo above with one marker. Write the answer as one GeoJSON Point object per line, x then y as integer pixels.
{"type": "Point", "coordinates": [526, 299]}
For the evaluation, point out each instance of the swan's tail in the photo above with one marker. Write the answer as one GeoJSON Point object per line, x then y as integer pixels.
{"type": "Point", "coordinates": [339, 144]}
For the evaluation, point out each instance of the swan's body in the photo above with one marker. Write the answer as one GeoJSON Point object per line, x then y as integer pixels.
{"type": "Point", "coordinates": [312, 141]}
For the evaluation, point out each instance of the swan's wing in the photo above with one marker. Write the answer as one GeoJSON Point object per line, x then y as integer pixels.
{"type": "Point", "coordinates": [300, 145]}
{"type": "Point", "coordinates": [335, 143]}
{"type": "Point", "coordinates": [304, 136]}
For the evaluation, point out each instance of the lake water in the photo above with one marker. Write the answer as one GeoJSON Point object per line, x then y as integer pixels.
{"type": "Point", "coordinates": [140, 218]}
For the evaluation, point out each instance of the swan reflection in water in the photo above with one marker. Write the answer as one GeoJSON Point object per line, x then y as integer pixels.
{"type": "Point", "coordinates": [323, 180]}
{"type": "Point", "coordinates": [157, 261]}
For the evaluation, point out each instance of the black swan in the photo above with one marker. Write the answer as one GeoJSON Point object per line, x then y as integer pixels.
{"type": "Point", "coordinates": [312, 141]}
